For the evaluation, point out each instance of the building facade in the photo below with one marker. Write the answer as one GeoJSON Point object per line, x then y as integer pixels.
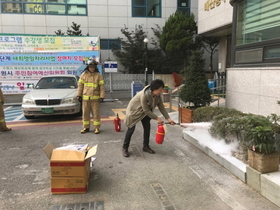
{"type": "Point", "coordinates": [249, 50]}
{"type": "Point", "coordinates": [104, 18]}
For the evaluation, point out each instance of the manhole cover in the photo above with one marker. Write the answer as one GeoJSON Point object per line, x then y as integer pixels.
{"type": "Point", "coordinates": [99, 205]}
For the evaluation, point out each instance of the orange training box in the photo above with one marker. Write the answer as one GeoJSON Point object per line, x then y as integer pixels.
{"type": "Point", "coordinates": [66, 185]}
{"type": "Point", "coordinates": [65, 162]}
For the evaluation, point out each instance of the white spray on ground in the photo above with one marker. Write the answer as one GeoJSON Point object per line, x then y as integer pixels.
{"type": "Point", "coordinates": [200, 131]}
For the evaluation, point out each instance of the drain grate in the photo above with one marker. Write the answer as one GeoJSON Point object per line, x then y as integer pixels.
{"type": "Point", "coordinates": [163, 197]}
{"type": "Point", "coordinates": [99, 205]}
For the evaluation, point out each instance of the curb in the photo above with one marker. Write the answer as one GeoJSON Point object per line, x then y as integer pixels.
{"type": "Point", "coordinates": [235, 166]}
{"type": "Point", "coordinates": [268, 185]}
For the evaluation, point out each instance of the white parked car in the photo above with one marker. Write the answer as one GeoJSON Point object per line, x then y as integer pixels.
{"type": "Point", "coordinates": [52, 95]}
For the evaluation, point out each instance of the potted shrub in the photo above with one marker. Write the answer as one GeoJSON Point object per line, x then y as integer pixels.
{"type": "Point", "coordinates": [195, 93]}
{"type": "Point", "coordinates": [254, 133]}
{"type": "Point", "coordinates": [262, 154]}
{"type": "Point", "coordinates": [258, 136]}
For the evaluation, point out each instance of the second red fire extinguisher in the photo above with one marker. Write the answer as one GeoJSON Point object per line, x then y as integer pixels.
{"type": "Point", "coordinates": [117, 122]}
{"type": "Point", "coordinates": [160, 134]}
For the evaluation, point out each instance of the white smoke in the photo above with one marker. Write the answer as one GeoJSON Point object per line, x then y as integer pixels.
{"type": "Point", "coordinates": [200, 132]}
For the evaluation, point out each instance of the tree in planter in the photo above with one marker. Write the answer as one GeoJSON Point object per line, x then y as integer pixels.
{"type": "Point", "coordinates": [196, 92]}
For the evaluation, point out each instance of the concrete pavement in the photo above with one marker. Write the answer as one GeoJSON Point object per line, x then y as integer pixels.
{"type": "Point", "coordinates": [179, 176]}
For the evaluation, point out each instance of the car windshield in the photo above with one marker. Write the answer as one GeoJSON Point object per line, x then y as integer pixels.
{"type": "Point", "coordinates": [57, 83]}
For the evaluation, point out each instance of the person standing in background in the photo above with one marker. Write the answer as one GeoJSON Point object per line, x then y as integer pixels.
{"type": "Point", "coordinates": [91, 90]}
{"type": "Point", "coordinates": [3, 126]}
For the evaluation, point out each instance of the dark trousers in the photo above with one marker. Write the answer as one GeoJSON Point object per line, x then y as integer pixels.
{"type": "Point", "coordinates": [146, 136]}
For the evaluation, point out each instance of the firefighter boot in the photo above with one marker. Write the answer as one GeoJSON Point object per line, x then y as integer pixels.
{"type": "Point", "coordinates": [96, 131]}
{"type": "Point", "coordinates": [85, 130]}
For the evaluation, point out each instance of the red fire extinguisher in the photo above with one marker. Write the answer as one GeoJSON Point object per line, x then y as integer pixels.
{"type": "Point", "coordinates": [160, 134]}
{"type": "Point", "coordinates": [117, 122]}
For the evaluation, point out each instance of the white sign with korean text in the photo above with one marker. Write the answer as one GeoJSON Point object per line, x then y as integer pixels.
{"type": "Point", "coordinates": [110, 66]}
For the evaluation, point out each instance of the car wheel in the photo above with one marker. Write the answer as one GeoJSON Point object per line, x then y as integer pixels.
{"type": "Point", "coordinates": [29, 117]}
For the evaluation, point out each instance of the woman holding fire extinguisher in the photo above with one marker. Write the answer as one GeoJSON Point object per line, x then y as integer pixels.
{"type": "Point", "coordinates": [140, 108]}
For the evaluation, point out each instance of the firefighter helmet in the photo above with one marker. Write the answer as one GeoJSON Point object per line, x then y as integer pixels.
{"type": "Point", "coordinates": [92, 63]}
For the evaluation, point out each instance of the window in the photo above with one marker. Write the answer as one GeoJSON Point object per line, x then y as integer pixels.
{"type": "Point", "coordinates": [272, 52]}
{"type": "Point", "coordinates": [109, 44]}
{"type": "Point", "coordinates": [11, 8]}
{"type": "Point", "coordinates": [256, 34]}
{"type": "Point", "coordinates": [51, 7]}
{"type": "Point", "coordinates": [184, 6]}
{"type": "Point", "coordinates": [257, 21]}
{"type": "Point", "coordinates": [34, 8]}
{"type": "Point", "coordinates": [146, 8]}
{"type": "Point", "coordinates": [77, 9]}
{"type": "Point", "coordinates": [55, 9]}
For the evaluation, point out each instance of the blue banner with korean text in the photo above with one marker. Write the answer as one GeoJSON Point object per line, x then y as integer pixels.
{"type": "Point", "coordinates": [24, 59]}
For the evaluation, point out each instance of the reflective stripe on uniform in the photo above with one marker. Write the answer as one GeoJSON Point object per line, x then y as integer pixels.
{"type": "Point", "coordinates": [81, 81]}
{"type": "Point", "coordinates": [85, 122]}
{"type": "Point", "coordinates": [2, 120]}
{"type": "Point", "coordinates": [91, 85]}
{"type": "Point", "coordinates": [96, 122]}
{"type": "Point", "coordinates": [101, 82]}
{"type": "Point", "coordinates": [90, 97]}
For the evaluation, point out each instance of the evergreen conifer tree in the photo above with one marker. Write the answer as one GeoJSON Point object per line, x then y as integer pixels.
{"type": "Point", "coordinates": [131, 56]}
{"type": "Point", "coordinates": [178, 38]}
{"type": "Point", "coordinates": [59, 32]}
{"type": "Point", "coordinates": [196, 91]}
{"type": "Point", "coordinates": [75, 30]}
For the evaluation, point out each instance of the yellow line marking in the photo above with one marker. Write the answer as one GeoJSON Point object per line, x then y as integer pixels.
{"type": "Point", "coordinates": [120, 112]}
{"type": "Point", "coordinates": [167, 106]}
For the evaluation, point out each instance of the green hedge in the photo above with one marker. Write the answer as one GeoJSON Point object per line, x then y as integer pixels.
{"type": "Point", "coordinates": [247, 129]}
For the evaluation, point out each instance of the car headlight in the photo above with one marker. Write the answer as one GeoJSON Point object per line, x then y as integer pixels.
{"type": "Point", "coordinates": [69, 100]}
{"type": "Point", "coordinates": [27, 101]}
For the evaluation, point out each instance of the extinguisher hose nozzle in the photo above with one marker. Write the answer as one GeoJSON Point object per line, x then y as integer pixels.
{"type": "Point", "coordinates": [170, 123]}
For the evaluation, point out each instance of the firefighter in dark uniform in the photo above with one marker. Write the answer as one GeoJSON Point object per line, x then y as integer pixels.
{"type": "Point", "coordinates": [91, 90]}
{"type": "Point", "coordinates": [3, 126]}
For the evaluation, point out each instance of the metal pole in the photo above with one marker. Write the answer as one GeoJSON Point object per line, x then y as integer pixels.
{"type": "Point", "coordinates": [179, 114]}
{"type": "Point", "coordinates": [111, 89]}
{"type": "Point", "coordinates": [146, 69]}
{"type": "Point", "coordinates": [170, 100]}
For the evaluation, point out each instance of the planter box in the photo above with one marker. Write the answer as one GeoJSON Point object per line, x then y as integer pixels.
{"type": "Point", "coordinates": [185, 115]}
{"type": "Point", "coordinates": [264, 163]}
